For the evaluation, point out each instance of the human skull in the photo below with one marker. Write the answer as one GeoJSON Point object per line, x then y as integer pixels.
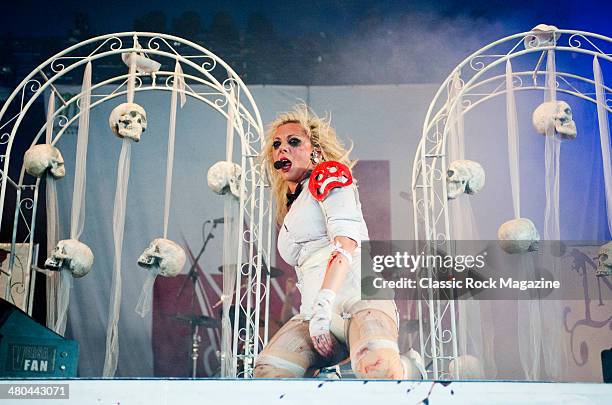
{"type": "Point", "coordinates": [466, 367]}
{"type": "Point", "coordinates": [464, 176]}
{"type": "Point", "coordinates": [165, 255]}
{"type": "Point", "coordinates": [71, 255]}
{"type": "Point", "coordinates": [544, 35]}
{"type": "Point", "coordinates": [604, 264]}
{"type": "Point", "coordinates": [518, 236]}
{"type": "Point", "coordinates": [554, 117]}
{"type": "Point", "coordinates": [39, 158]}
{"type": "Point", "coordinates": [128, 120]}
{"type": "Point", "coordinates": [223, 177]}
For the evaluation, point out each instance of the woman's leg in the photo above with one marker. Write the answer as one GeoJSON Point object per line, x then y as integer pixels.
{"type": "Point", "coordinates": [373, 345]}
{"type": "Point", "coordinates": [290, 353]}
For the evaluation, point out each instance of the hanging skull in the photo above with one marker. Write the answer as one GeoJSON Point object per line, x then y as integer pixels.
{"type": "Point", "coordinates": [71, 255]}
{"type": "Point", "coordinates": [466, 367]}
{"type": "Point", "coordinates": [223, 177]}
{"type": "Point", "coordinates": [128, 120]}
{"type": "Point", "coordinates": [40, 158]}
{"type": "Point", "coordinates": [518, 236]}
{"type": "Point", "coordinates": [544, 35]}
{"type": "Point", "coordinates": [464, 176]}
{"type": "Point", "coordinates": [165, 255]}
{"type": "Point", "coordinates": [555, 117]}
{"type": "Point", "coordinates": [604, 262]}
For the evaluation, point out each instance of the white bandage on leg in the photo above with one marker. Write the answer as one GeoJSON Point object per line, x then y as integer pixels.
{"type": "Point", "coordinates": [378, 344]}
{"type": "Point", "coordinates": [277, 362]}
{"type": "Point", "coordinates": [338, 248]}
{"type": "Point", "coordinates": [321, 313]}
{"type": "Point", "coordinates": [377, 358]}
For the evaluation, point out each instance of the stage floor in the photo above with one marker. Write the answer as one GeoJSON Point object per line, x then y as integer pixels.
{"type": "Point", "coordinates": [313, 391]}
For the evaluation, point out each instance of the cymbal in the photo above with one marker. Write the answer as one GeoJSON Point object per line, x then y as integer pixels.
{"type": "Point", "coordinates": [274, 271]}
{"type": "Point", "coordinates": [201, 320]}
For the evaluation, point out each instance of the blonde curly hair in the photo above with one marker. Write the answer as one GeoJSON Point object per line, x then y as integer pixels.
{"type": "Point", "coordinates": [322, 137]}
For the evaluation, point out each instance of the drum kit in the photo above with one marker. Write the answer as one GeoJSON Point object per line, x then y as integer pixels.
{"type": "Point", "coordinates": [197, 321]}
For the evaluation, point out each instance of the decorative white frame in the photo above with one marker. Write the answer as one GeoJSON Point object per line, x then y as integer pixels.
{"type": "Point", "coordinates": [224, 91]}
{"type": "Point", "coordinates": [480, 82]}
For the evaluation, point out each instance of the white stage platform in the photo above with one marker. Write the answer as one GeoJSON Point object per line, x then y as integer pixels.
{"type": "Point", "coordinates": [313, 391]}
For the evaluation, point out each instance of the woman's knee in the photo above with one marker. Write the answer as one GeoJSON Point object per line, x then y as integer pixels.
{"type": "Point", "coordinates": [267, 366]}
{"type": "Point", "coordinates": [374, 349]}
{"type": "Point", "coordinates": [373, 362]}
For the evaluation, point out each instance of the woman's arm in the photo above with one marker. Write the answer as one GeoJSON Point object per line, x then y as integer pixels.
{"type": "Point", "coordinates": [344, 221]}
{"type": "Point", "coordinates": [338, 266]}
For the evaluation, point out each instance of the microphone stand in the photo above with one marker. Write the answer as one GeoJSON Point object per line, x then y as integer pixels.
{"type": "Point", "coordinates": [193, 276]}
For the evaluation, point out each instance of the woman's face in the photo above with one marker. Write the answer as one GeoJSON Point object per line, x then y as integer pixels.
{"type": "Point", "coordinates": [291, 143]}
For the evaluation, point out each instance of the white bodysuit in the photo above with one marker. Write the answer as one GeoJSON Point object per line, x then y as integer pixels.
{"type": "Point", "coordinates": [305, 241]}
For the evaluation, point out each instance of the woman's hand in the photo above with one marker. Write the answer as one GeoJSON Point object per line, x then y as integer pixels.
{"type": "Point", "coordinates": [321, 321]}
{"type": "Point", "coordinates": [323, 344]}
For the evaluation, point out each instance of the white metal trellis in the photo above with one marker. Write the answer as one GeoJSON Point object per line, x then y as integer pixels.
{"type": "Point", "coordinates": [482, 78]}
{"type": "Point", "coordinates": [209, 80]}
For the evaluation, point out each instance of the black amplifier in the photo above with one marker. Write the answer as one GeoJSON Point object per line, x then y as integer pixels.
{"type": "Point", "coordinates": [28, 349]}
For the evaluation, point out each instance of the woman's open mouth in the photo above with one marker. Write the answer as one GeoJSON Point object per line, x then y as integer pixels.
{"type": "Point", "coordinates": [287, 165]}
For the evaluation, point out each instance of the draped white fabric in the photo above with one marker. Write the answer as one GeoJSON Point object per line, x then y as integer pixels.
{"type": "Point", "coordinates": [604, 137]}
{"type": "Point", "coordinates": [513, 141]}
{"type": "Point", "coordinates": [552, 152]}
{"type": "Point", "coordinates": [52, 218]}
{"type": "Point", "coordinates": [77, 219]}
{"type": "Point", "coordinates": [77, 215]}
{"type": "Point", "coordinates": [177, 85]}
{"type": "Point", "coordinates": [530, 328]}
{"type": "Point", "coordinates": [529, 316]}
{"type": "Point", "coordinates": [553, 344]}
{"type": "Point", "coordinates": [131, 80]}
{"type": "Point", "coordinates": [472, 315]}
{"type": "Point", "coordinates": [143, 306]}
{"type": "Point", "coordinates": [144, 301]}
{"type": "Point", "coordinates": [537, 318]}
{"type": "Point", "coordinates": [119, 208]}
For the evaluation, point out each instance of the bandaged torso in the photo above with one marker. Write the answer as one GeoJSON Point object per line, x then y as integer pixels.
{"type": "Point", "coordinates": [306, 235]}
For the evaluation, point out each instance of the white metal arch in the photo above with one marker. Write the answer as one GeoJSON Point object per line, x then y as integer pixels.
{"type": "Point", "coordinates": [479, 83]}
{"type": "Point", "coordinates": [224, 91]}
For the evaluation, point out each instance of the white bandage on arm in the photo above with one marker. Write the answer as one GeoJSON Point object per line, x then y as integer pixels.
{"type": "Point", "coordinates": [338, 248]}
{"type": "Point", "coordinates": [321, 312]}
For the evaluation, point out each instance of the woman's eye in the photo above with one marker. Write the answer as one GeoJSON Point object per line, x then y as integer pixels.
{"type": "Point", "coordinates": [294, 142]}
{"type": "Point", "coordinates": [276, 144]}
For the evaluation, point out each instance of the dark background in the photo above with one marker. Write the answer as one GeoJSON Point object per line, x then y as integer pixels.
{"type": "Point", "coordinates": [297, 42]}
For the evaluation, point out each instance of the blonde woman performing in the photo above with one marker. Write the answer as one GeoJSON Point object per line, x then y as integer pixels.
{"type": "Point", "coordinates": [321, 230]}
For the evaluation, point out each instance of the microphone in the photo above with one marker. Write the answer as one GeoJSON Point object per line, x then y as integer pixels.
{"type": "Point", "coordinates": [279, 164]}
{"type": "Point", "coordinates": [218, 221]}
